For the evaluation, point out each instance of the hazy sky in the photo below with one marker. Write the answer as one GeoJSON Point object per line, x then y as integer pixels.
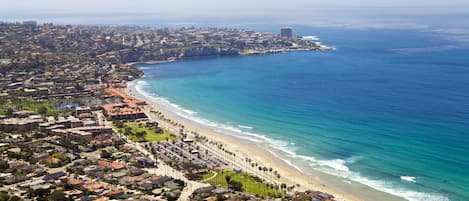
{"type": "Point", "coordinates": [240, 11]}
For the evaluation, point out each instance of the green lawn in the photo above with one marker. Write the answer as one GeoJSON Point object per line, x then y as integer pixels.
{"type": "Point", "coordinates": [250, 185]}
{"type": "Point", "coordinates": [40, 106]}
{"type": "Point", "coordinates": [150, 136]}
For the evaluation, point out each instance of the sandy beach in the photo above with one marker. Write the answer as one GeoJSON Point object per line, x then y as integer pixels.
{"type": "Point", "coordinates": [260, 154]}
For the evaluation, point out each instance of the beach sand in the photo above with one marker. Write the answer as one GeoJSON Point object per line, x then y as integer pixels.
{"type": "Point", "coordinates": [259, 153]}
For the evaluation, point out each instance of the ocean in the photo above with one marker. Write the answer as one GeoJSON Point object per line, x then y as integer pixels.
{"type": "Point", "coordinates": [389, 108]}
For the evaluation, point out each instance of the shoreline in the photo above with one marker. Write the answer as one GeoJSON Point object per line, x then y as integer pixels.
{"type": "Point", "coordinates": [290, 174]}
{"type": "Point", "coordinates": [243, 53]}
{"type": "Point", "coordinates": [151, 62]}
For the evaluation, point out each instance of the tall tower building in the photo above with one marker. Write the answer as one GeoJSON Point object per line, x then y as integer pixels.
{"type": "Point", "coordinates": [286, 32]}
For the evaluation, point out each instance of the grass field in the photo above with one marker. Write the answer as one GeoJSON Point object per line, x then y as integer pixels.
{"type": "Point", "coordinates": [250, 184]}
{"type": "Point", "coordinates": [208, 175]}
{"type": "Point", "coordinates": [38, 106]}
{"type": "Point", "coordinates": [150, 136]}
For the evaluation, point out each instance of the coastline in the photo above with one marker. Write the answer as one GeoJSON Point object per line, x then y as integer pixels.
{"type": "Point", "coordinates": [151, 62]}
{"type": "Point", "coordinates": [242, 53]}
{"type": "Point", "coordinates": [245, 148]}
{"type": "Point", "coordinates": [283, 50]}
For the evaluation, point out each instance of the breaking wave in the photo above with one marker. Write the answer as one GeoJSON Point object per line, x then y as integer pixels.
{"type": "Point", "coordinates": [409, 178]}
{"type": "Point", "coordinates": [245, 127]}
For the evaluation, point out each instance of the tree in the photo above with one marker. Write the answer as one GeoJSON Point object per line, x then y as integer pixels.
{"type": "Point", "coordinates": [283, 186]}
{"type": "Point", "coordinates": [221, 197]}
{"type": "Point", "coordinates": [42, 110]}
{"type": "Point", "coordinates": [128, 131]}
{"type": "Point", "coordinates": [236, 185]}
{"type": "Point", "coordinates": [39, 193]}
{"type": "Point", "coordinates": [228, 179]}
{"type": "Point", "coordinates": [158, 130]}
{"type": "Point", "coordinates": [141, 134]}
{"type": "Point", "coordinates": [4, 196]}
{"type": "Point", "coordinates": [119, 124]}
{"type": "Point", "coordinates": [105, 154]}
{"type": "Point", "coordinates": [4, 165]}
{"type": "Point", "coordinates": [70, 170]}
{"type": "Point", "coordinates": [9, 112]}
{"type": "Point", "coordinates": [57, 196]}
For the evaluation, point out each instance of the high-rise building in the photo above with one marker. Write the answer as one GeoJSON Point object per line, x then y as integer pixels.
{"type": "Point", "coordinates": [30, 23]}
{"type": "Point", "coordinates": [286, 32]}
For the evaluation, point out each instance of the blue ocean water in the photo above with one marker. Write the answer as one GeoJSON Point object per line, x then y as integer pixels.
{"type": "Point", "coordinates": [388, 108]}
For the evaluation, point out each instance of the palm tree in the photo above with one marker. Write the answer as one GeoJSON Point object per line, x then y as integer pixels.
{"type": "Point", "coordinates": [283, 186]}
{"type": "Point", "coordinates": [270, 171]}
{"type": "Point", "coordinates": [264, 169]}
{"type": "Point", "coordinates": [228, 179]}
{"type": "Point", "coordinates": [128, 131]}
{"type": "Point", "coordinates": [246, 162]}
{"type": "Point", "coordinates": [278, 178]}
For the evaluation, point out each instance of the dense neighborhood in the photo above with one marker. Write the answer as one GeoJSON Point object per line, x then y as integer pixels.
{"type": "Point", "coordinates": [69, 130]}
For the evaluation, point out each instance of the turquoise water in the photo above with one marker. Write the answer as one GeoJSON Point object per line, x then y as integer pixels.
{"type": "Point", "coordinates": [388, 108]}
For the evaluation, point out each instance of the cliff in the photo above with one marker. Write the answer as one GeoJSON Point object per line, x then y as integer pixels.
{"type": "Point", "coordinates": [208, 51]}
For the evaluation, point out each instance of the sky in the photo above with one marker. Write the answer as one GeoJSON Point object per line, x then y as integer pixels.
{"type": "Point", "coordinates": [353, 12]}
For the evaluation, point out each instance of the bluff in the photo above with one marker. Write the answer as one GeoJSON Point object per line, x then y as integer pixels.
{"type": "Point", "coordinates": [208, 51]}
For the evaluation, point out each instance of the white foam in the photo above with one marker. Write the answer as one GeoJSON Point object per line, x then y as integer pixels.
{"type": "Point", "coordinates": [335, 167]}
{"type": "Point", "coordinates": [284, 159]}
{"type": "Point", "coordinates": [409, 178]}
{"type": "Point", "coordinates": [139, 87]}
{"type": "Point", "coordinates": [310, 38]}
{"type": "Point", "coordinates": [397, 190]}
{"type": "Point", "coordinates": [139, 84]}
{"type": "Point", "coordinates": [245, 127]}
{"type": "Point", "coordinates": [337, 164]}
{"type": "Point", "coordinates": [392, 188]}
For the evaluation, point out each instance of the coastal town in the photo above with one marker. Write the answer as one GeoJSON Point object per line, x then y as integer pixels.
{"type": "Point", "coordinates": [70, 129]}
